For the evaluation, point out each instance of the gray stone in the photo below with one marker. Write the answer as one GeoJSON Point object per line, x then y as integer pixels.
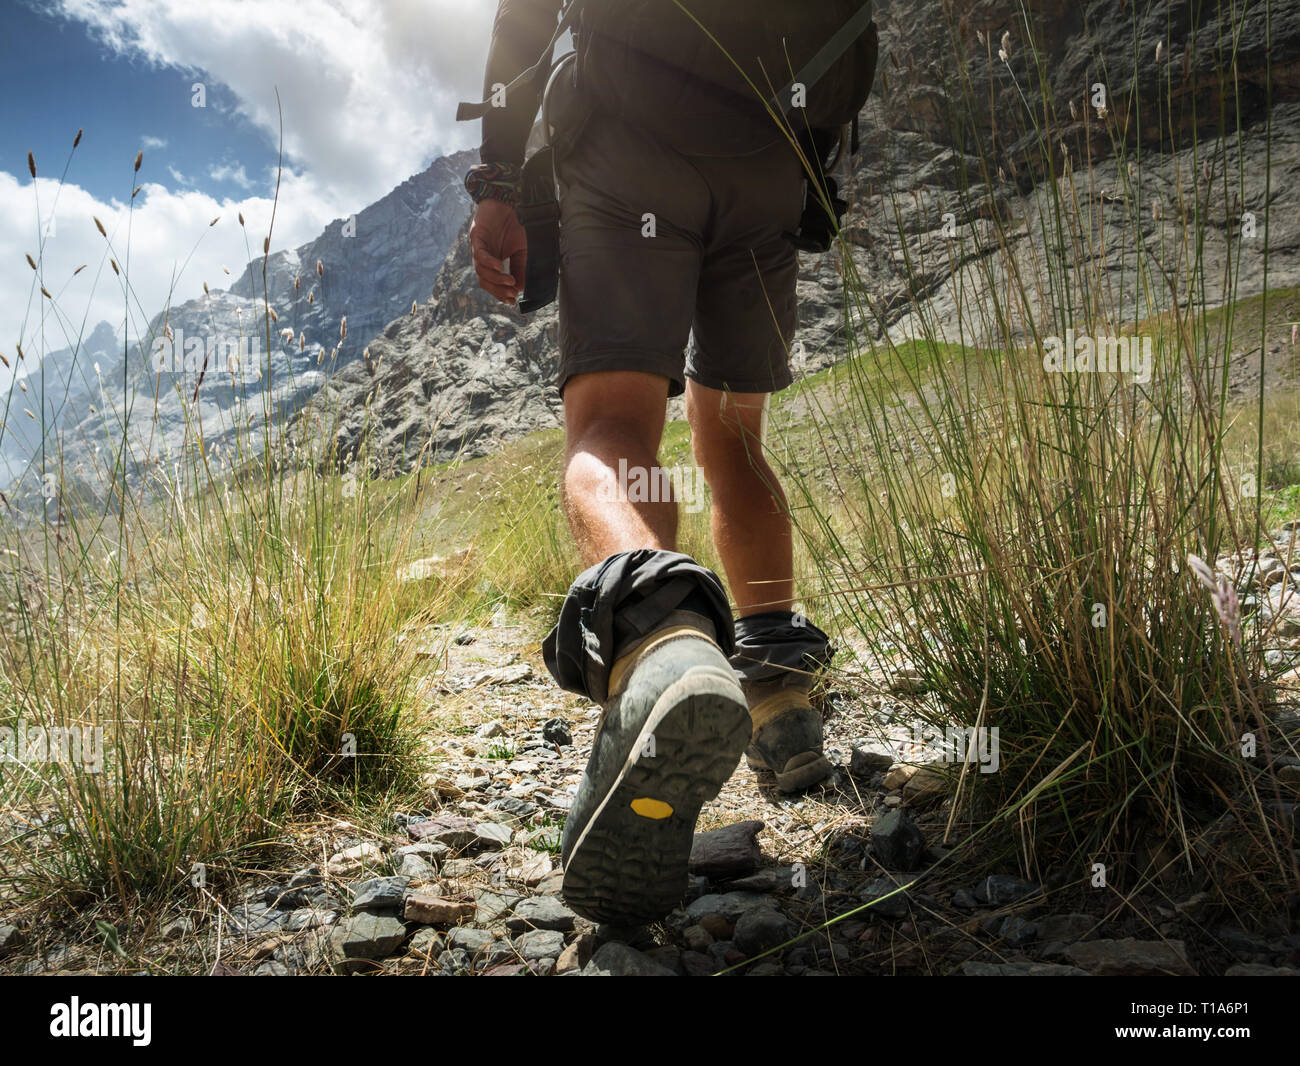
{"type": "Point", "coordinates": [769, 880]}
{"type": "Point", "coordinates": [556, 731]}
{"type": "Point", "coordinates": [762, 929]}
{"type": "Point", "coordinates": [864, 763]}
{"type": "Point", "coordinates": [729, 905]}
{"type": "Point", "coordinates": [429, 850]}
{"type": "Point", "coordinates": [1016, 930]}
{"type": "Point", "coordinates": [1020, 969]}
{"type": "Point", "coordinates": [427, 941]}
{"type": "Point", "coordinates": [514, 807]}
{"type": "Point", "coordinates": [619, 960]}
{"type": "Point", "coordinates": [884, 905]}
{"type": "Point", "coordinates": [1065, 927]}
{"type": "Point", "coordinates": [379, 894]}
{"type": "Point", "coordinates": [1000, 889]}
{"type": "Point", "coordinates": [371, 936]}
{"type": "Point", "coordinates": [541, 912]}
{"type": "Point", "coordinates": [455, 962]}
{"type": "Point", "coordinates": [1131, 958]}
{"type": "Point", "coordinates": [464, 938]}
{"type": "Point", "coordinates": [493, 906]}
{"type": "Point", "coordinates": [11, 939]}
{"type": "Point", "coordinates": [414, 868]}
{"type": "Point", "coordinates": [1255, 969]}
{"type": "Point", "coordinates": [492, 836]}
{"type": "Point", "coordinates": [540, 944]}
{"type": "Point", "coordinates": [455, 832]}
{"type": "Point", "coordinates": [177, 929]}
{"type": "Point", "coordinates": [731, 851]}
{"type": "Point", "coordinates": [896, 841]}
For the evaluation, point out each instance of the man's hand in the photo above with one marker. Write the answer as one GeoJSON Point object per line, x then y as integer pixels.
{"type": "Point", "coordinates": [495, 235]}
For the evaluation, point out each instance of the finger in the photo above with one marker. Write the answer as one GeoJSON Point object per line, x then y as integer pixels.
{"type": "Point", "coordinates": [504, 290]}
{"type": "Point", "coordinates": [492, 269]}
{"type": "Point", "coordinates": [518, 267]}
{"type": "Point", "coordinates": [485, 260]}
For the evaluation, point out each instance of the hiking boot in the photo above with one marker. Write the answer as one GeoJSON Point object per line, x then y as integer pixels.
{"type": "Point", "coordinates": [672, 732]}
{"type": "Point", "coordinates": [787, 737]}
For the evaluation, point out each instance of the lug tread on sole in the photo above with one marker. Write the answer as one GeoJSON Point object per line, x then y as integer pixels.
{"type": "Point", "coordinates": [631, 869]}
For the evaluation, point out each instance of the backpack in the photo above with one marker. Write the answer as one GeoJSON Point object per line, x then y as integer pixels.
{"type": "Point", "coordinates": [720, 77]}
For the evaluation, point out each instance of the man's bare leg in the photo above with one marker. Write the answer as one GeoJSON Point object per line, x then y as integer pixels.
{"type": "Point", "coordinates": [611, 416]}
{"type": "Point", "coordinates": [750, 526]}
{"type": "Point", "coordinates": [675, 721]}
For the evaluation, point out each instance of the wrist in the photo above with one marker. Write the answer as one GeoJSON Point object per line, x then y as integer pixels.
{"type": "Point", "coordinates": [493, 181]}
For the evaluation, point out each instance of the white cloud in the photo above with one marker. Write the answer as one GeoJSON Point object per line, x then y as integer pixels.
{"type": "Point", "coordinates": [368, 90]}
{"type": "Point", "coordinates": [226, 172]}
{"type": "Point", "coordinates": [177, 176]}
{"type": "Point", "coordinates": [368, 87]}
{"type": "Point", "coordinates": [149, 142]}
{"type": "Point", "coordinates": [163, 244]}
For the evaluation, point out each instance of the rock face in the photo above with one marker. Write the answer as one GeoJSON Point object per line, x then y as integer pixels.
{"type": "Point", "coordinates": [373, 266]}
{"type": "Point", "coordinates": [921, 79]}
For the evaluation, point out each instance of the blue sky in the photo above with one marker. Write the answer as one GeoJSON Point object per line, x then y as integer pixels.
{"type": "Point", "coordinates": [368, 90]}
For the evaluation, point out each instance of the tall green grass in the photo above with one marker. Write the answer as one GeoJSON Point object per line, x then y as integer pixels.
{"type": "Point", "coordinates": [1025, 534]}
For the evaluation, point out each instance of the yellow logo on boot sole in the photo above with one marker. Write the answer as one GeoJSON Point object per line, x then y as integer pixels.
{"type": "Point", "coordinates": [651, 808]}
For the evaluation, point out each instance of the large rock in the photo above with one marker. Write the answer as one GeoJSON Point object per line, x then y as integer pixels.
{"type": "Point", "coordinates": [542, 912]}
{"type": "Point", "coordinates": [619, 960]}
{"type": "Point", "coordinates": [731, 851]}
{"type": "Point", "coordinates": [896, 841]}
{"type": "Point", "coordinates": [428, 909]}
{"type": "Point", "coordinates": [1020, 969]}
{"type": "Point", "coordinates": [1131, 958]}
{"type": "Point", "coordinates": [370, 936]}
{"type": "Point", "coordinates": [762, 929]}
{"type": "Point", "coordinates": [453, 830]}
{"type": "Point", "coordinates": [379, 894]}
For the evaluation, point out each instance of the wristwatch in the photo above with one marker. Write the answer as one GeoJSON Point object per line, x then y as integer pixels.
{"type": "Point", "coordinates": [493, 181]}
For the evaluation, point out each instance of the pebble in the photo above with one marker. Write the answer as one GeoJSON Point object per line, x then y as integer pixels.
{"type": "Point", "coordinates": [728, 905]}
{"type": "Point", "coordinates": [864, 763]}
{"type": "Point", "coordinates": [731, 851]}
{"type": "Point", "coordinates": [761, 929]}
{"type": "Point", "coordinates": [354, 860]}
{"type": "Point", "coordinates": [619, 960]}
{"type": "Point", "coordinates": [379, 894]}
{"type": "Point", "coordinates": [541, 912]}
{"type": "Point", "coordinates": [370, 936]}
{"type": "Point", "coordinates": [1131, 958]}
{"type": "Point", "coordinates": [428, 909]}
{"type": "Point", "coordinates": [896, 841]}
{"type": "Point", "coordinates": [1001, 889]}
{"type": "Point", "coordinates": [540, 944]}
{"type": "Point", "coordinates": [884, 905]}
{"type": "Point", "coordinates": [1019, 969]}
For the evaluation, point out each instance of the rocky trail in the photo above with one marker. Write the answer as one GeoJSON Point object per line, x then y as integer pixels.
{"type": "Point", "coordinates": [850, 879]}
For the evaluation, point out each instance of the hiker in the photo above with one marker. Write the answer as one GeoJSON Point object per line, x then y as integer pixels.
{"type": "Point", "coordinates": [682, 204]}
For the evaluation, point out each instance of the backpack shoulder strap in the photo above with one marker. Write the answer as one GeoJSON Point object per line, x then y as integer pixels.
{"type": "Point", "coordinates": [534, 78]}
{"type": "Point", "coordinates": [813, 71]}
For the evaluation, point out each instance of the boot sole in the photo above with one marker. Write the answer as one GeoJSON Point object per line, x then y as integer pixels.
{"type": "Point", "coordinates": [629, 866]}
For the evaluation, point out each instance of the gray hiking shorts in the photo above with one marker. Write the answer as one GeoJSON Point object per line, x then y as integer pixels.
{"type": "Point", "coordinates": [653, 243]}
